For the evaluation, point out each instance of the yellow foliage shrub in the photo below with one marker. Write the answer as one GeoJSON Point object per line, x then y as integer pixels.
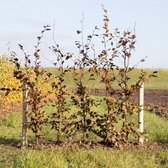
{"type": "Point", "coordinates": [8, 81]}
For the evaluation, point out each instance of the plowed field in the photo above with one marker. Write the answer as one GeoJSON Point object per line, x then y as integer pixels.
{"type": "Point", "coordinates": [155, 100]}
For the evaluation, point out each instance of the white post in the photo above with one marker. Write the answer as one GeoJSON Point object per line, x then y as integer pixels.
{"type": "Point", "coordinates": [141, 113]}
{"type": "Point", "coordinates": [24, 114]}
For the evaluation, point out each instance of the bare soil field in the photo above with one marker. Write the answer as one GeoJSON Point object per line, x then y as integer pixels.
{"type": "Point", "coordinates": [9, 108]}
{"type": "Point", "coordinates": [155, 100]}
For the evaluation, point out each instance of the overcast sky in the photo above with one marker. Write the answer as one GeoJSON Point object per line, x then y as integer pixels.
{"type": "Point", "coordinates": [22, 20]}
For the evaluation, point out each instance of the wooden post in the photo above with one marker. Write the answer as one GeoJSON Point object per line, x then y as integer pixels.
{"type": "Point", "coordinates": [24, 114]}
{"type": "Point", "coordinates": [141, 113]}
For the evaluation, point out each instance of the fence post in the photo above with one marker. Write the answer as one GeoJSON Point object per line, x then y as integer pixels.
{"type": "Point", "coordinates": [24, 114]}
{"type": "Point", "coordinates": [141, 113]}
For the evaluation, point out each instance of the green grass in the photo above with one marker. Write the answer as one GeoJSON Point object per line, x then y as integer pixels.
{"type": "Point", "coordinates": [159, 82]}
{"type": "Point", "coordinates": [55, 157]}
{"type": "Point", "coordinates": [81, 158]}
{"type": "Point", "coordinates": [156, 128]}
